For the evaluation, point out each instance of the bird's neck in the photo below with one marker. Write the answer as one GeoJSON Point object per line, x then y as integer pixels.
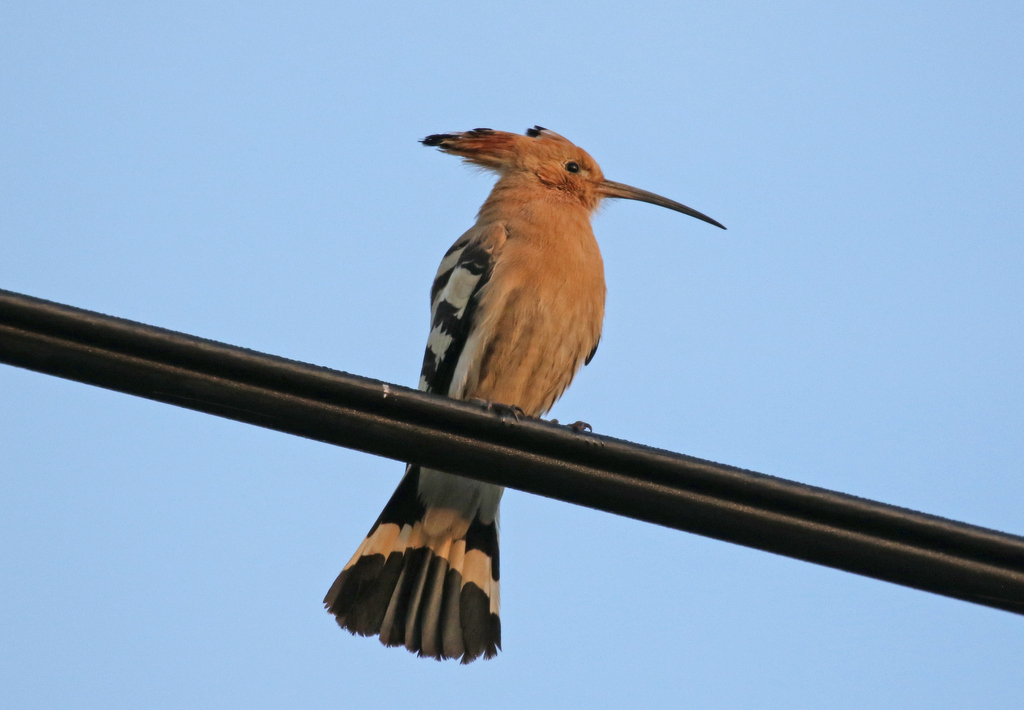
{"type": "Point", "coordinates": [534, 209]}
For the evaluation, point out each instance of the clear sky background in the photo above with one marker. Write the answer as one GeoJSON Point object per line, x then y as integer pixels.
{"type": "Point", "coordinates": [250, 172]}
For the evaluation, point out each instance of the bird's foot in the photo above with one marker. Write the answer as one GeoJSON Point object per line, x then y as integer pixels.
{"type": "Point", "coordinates": [502, 409]}
{"type": "Point", "coordinates": [576, 426]}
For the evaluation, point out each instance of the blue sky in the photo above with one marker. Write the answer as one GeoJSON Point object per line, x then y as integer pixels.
{"type": "Point", "coordinates": [249, 172]}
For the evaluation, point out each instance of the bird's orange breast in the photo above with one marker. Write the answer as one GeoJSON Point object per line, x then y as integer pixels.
{"type": "Point", "coordinates": [540, 314]}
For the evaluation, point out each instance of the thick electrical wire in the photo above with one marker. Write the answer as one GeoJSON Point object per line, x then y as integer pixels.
{"type": "Point", "coordinates": [763, 512]}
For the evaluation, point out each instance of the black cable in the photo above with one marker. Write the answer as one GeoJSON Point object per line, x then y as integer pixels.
{"type": "Point", "coordinates": [772, 514]}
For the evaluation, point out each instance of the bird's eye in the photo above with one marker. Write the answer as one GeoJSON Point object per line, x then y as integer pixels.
{"type": "Point", "coordinates": [572, 166]}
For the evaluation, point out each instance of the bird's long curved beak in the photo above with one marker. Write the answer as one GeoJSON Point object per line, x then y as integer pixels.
{"type": "Point", "coordinates": [627, 192]}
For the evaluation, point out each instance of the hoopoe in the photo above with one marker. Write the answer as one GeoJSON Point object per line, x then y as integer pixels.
{"type": "Point", "coordinates": [516, 310]}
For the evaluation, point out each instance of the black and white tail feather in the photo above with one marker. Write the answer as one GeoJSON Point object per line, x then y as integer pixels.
{"type": "Point", "coordinates": [427, 577]}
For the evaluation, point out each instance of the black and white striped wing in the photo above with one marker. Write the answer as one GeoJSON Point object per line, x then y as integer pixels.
{"type": "Point", "coordinates": [440, 601]}
{"type": "Point", "coordinates": [454, 297]}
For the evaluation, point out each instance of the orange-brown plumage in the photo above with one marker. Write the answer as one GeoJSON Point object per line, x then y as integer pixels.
{"type": "Point", "coordinates": [540, 313]}
{"type": "Point", "coordinates": [516, 310]}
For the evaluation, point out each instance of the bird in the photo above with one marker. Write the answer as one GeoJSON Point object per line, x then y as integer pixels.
{"type": "Point", "coordinates": [516, 309]}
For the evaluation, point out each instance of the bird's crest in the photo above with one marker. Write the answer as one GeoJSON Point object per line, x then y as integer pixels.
{"type": "Point", "coordinates": [498, 150]}
{"type": "Point", "coordinates": [495, 150]}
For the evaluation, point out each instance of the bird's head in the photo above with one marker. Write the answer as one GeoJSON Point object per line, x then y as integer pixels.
{"type": "Point", "coordinates": [542, 159]}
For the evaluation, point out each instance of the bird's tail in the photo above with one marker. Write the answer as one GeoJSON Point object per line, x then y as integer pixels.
{"type": "Point", "coordinates": [423, 578]}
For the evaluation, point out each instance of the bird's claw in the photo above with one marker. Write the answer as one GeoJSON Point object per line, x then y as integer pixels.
{"type": "Point", "coordinates": [517, 413]}
{"type": "Point", "coordinates": [575, 426]}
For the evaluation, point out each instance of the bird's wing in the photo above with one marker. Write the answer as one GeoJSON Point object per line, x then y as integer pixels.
{"type": "Point", "coordinates": [464, 271]}
{"type": "Point", "coordinates": [427, 574]}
